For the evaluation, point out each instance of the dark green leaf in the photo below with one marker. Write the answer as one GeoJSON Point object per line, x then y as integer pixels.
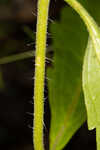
{"type": "Point", "coordinates": [65, 92]}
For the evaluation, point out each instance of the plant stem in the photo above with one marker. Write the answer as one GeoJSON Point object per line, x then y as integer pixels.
{"type": "Point", "coordinates": [89, 22]}
{"type": "Point", "coordinates": [43, 6]}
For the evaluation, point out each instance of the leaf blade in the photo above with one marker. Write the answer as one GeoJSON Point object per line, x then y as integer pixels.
{"type": "Point", "coordinates": [67, 108]}
{"type": "Point", "coordinates": [88, 102]}
{"type": "Point", "coordinates": [92, 83]}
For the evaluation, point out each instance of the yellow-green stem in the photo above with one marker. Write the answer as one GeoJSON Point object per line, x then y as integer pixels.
{"type": "Point", "coordinates": [92, 27]}
{"type": "Point", "coordinates": [43, 6]}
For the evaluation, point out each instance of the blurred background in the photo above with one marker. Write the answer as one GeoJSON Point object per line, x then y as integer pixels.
{"type": "Point", "coordinates": [17, 35]}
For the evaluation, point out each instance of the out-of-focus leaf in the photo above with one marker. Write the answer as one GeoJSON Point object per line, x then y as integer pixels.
{"type": "Point", "coordinates": [20, 56]}
{"type": "Point", "coordinates": [93, 7]}
{"type": "Point", "coordinates": [2, 84]}
{"type": "Point", "coordinates": [65, 92]}
{"type": "Point", "coordinates": [16, 57]}
{"type": "Point", "coordinates": [91, 86]}
{"type": "Point", "coordinates": [4, 2]}
{"type": "Point", "coordinates": [29, 32]}
{"type": "Point", "coordinates": [90, 23]}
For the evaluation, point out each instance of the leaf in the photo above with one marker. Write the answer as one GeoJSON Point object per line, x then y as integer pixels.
{"type": "Point", "coordinates": [29, 32]}
{"type": "Point", "coordinates": [16, 57]}
{"type": "Point", "coordinates": [91, 87]}
{"type": "Point", "coordinates": [90, 23]}
{"type": "Point", "coordinates": [2, 83]}
{"type": "Point", "coordinates": [65, 92]}
{"type": "Point", "coordinates": [93, 8]}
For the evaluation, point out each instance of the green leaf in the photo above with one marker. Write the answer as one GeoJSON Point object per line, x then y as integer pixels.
{"type": "Point", "coordinates": [91, 87]}
{"type": "Point", "coordinates": [2, 83]}
{"type": "Point", "coordinates": [93, 7]}
{"type": "Point", "coordinates": [20, 56]}
{"type": "Point", "coordinates": [90, 23]}
{"type": "Point", "coordinates": [65, 92]}
{"type": "Point", "coordinates": [16, 57]}
{"type": "Point", "coordinates": [29, 32]}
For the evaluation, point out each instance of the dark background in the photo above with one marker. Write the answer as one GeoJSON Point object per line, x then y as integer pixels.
{"type": "Point", "coordinates": [17, 34]}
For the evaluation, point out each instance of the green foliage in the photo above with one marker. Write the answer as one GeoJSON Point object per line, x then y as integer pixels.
{"type": "Point", "coordinates": [91, 86]}
{"type": "Point", "coordinates": [4, 2]}
{"type": "Point", "coordinates": [16, 57]}
{"type": "Point", "coordinates": [90, 23]}
{"type": "Point", "coordinates": [2, 83]}
{"type": "Point", "coordinates": [93, 7]}
{"type": "Point", "coordinates": [65, 93]}
{"type": "Point", "coordinates": [29, 33]}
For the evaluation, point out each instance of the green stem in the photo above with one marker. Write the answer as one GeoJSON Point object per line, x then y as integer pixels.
{"type": "Point", "coordinates": [90, 23]}
{"type": "Point", "coordinates": [43, 6]}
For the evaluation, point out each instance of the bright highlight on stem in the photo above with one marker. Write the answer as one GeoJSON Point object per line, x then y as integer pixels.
{"type": "Point", "coordinates": [92, 27]}
{"type": "Point", "coordinates": [42, 18]}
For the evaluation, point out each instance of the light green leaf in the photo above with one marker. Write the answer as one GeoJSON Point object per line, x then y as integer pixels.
{"type": "Point", "coordinates": [91, 87]}
{"type": "Point", "coordinates": [89, 104]}
{"type": "Point", "coordinates": [65, 92]}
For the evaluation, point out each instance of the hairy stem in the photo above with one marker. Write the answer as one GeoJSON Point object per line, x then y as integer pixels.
{"type": "Point", "coordinates": [92, 27]}
{"type": "Point", "coordinates": [43, 6]}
